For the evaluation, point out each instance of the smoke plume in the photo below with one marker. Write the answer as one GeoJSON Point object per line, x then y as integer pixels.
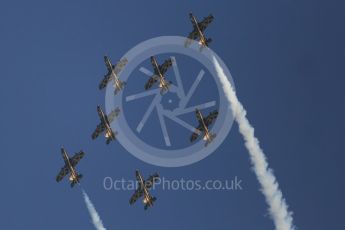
{"type": "Point", "coordinates": [96, 220]}
{"type": "Point", "coordinates": [278, 208]}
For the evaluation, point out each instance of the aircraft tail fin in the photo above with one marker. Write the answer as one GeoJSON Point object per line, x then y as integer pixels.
{"type": "Point", "coordinates": [108, 141]}
{"type": "Point", "coordinates": [113, 137]}
{"type": "Point", "coordinates": [122, 84]}
{"type": "Point", "coordinates": [208, 41]}
{"type": "Point", "coordinates": [210, 139]}
{"type": "Point", "coordinates": [166, 87]}
{"type": "Point", "coordinates": [147, 205]}
{"type": "Point", "coordinates": [74, 182]}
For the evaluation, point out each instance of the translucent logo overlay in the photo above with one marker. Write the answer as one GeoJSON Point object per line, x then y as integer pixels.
{"type": "Point", "coordinates": [171, 106]}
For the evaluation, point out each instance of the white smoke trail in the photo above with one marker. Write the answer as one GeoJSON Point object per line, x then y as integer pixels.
{"type": "Point", "coordinates": [96, 220]}
{"type": "Point", "coordinates": [278, 208]}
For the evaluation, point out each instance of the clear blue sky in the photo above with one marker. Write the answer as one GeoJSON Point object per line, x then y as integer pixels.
{"type": "Point", "coordinates": [287, 61]}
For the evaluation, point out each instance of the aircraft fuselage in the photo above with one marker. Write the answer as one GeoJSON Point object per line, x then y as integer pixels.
{"type": "Point", "coordinates": [147, 198]}
{"type": "Point", "coordinates": [117, 83]}
{"type": "Point", "coordinates": [201, 35]}
{"type": "Point", "coordinates": [206, 132]}
{"type": "Point", "coordinates": [73, 173]}
{"type": "Point", "coordinates": [162, 82]}
{"type": "Point", "coordinates": [108, 130]}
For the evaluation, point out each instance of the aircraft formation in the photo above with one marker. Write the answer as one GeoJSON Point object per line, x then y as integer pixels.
{"type": "Point", "coordinates": [159, 71]}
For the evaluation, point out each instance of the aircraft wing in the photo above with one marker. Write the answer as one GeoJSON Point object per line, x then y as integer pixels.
{"type": "Point", "coordinates": [105, 81]}
{"type": "Point", "coordinates": [119, 66]}
{"type": "Point", "coordinates": [151, 180]}
{"type": "Point", "coordinates": [100, 129]}
{"type": "Point", "coordinates": [151, 81]}
{"type": "Point", "coordinates": [211, 117]}
{"type": "Point", "coordinates": [191, 37]}
{"type": "Point", "coordinates": [76, 158]}
{"type": "Point", "coordinates": [63, 172]}
{"type": "Point", "coordinates": [108, 64]}
{"type": "Point", "coordinates": [165, 66]}
{"type": "Point", "coordinates": [137, 194]}
{"type": "Point", "coordinates": [113, 115]}
{"type": "Point", "coordinates": [197, 133]}
{"type": "Point", "coordinates": [205, 22]}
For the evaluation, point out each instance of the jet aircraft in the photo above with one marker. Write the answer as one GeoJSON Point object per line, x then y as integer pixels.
{"type": "Point", "coordinates": [198, 31]}
{"type": "Point", "coordinates": [142, 190]}
{"type": "Point", "coordinates": [159, 71]}
{"type": "Point", "coordinates": [113, 74]}
{"type": "Point", "coordinates": [104, 126]}
{"type": "Point", "coordinates": [69, 167]}
{"type": "Point", "coordinates": [203, 127]}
